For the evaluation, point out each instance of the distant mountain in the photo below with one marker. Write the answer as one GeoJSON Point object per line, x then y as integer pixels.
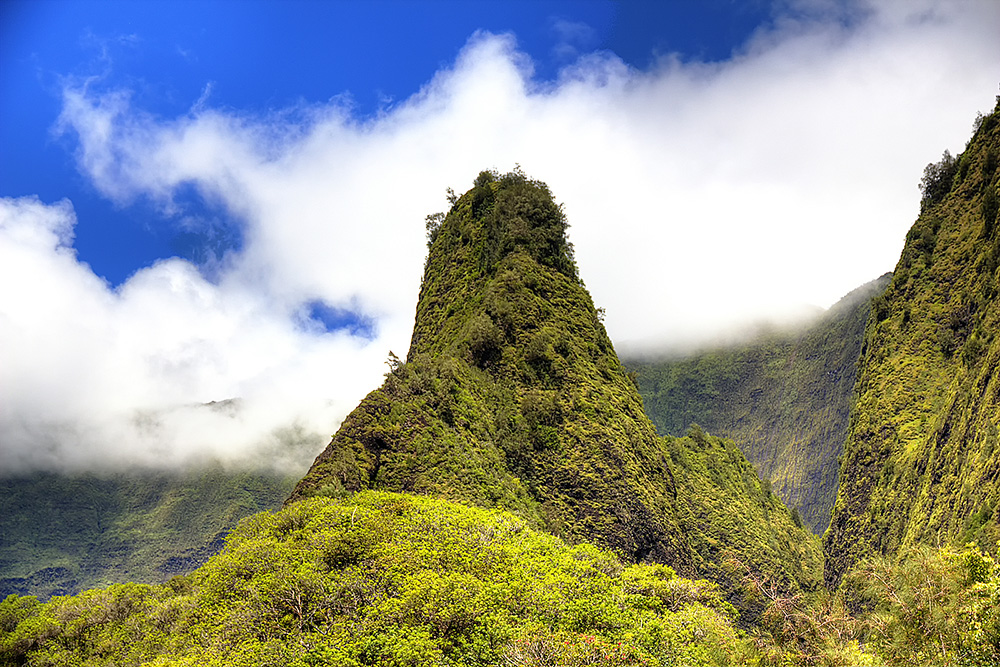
{"type": "Point", "coordinates": [922, 460]}
{"type": "Point", "coordinates": [512, 396]}
{"type": "Point", "coordinates": [60, 534]}
{"type": "Point", "coordinates": [783, 397]}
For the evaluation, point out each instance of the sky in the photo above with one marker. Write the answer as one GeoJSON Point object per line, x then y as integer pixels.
{"type": "Point", "coordinates": [212, 213]}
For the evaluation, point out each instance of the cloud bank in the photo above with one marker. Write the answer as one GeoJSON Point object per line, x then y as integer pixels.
{"type": "Point", "coordinates": [95, 377]}
{"type": "Point", "coordinates": [700, 196]}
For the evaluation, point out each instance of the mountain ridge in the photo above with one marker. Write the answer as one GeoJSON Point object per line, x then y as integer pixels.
{"type": "Point", "coordinates": [922, 463]}
{"type": "Point", "coordinates": [62, 533]}
{"type": "Point", "coordinates": [783, 396]}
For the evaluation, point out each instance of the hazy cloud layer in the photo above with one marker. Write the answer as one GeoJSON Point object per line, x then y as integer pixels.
{"type": "Point", "coordinates": [94, 377]}
{"type": "Point", "coordinates": [700, 196]}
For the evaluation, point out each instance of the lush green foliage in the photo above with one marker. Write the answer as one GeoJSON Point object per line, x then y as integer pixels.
{"type": "Point", "coordinates": [922, 458]}
{"type": "Point", "coordinates": [930, 607]}
{"type": "Point", "coordinates": [386, 579]}
{"type": "Point", "coordinates": [60, 534]}
{"type": "Point", "coordinates": [782, 396]}
{"type": "Point", "coordinates": [392, 579]}
{"type": "Point", "coordinates": [937, 179]}
{"type": "Point", "coordinates": [939, 607]}
{"type": "Point", "coordinates": [730, 514]}
{"type": "Point", "coordinates": [512, 396]}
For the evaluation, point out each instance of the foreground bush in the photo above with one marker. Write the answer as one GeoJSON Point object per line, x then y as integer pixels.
{"type": "Point", "coordinates": [932, 607]}
{"type": "Point", "coordinates": [386, 579]}
{"type": "Point", "coordinates": [936, 607]}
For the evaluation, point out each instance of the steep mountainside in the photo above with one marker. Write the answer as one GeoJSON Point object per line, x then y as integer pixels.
{"type": "Point", "coordinates": [61, 534]}
{"type": "Point", "coordinates": [731, 517]}
{"type": "Point", "coordinates": [922, 459]}
{"type": "Point", "coordinates": [783, 397]}
{"type": "Point", "coordinates": [512, 396]}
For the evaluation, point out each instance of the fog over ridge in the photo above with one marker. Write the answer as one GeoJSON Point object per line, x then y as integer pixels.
{"type": "Point", "coordinates": [700, 196]}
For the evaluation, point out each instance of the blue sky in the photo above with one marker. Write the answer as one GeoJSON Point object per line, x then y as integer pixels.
{"type": "Point", "coordinates": [208, 200]}
{"type": "Point", "coordinates": [259, 57]}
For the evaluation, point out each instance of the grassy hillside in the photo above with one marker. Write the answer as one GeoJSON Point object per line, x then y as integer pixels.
{"type": "Point", "coordinates": [512, 396]}
{"type": "Point", "coordinates": [783, 397]}
{"type": "Point", "coordinates": [922, 459]}
{"type": "Point", "coordinates": [60, 534]}
{"type": "Point", "coordinates": [392, 580]}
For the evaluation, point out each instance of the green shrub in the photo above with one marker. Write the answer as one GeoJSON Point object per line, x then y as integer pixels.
{"type": "Point", "coordinates": [385, 579]}
{"type": "Point", "coordinates": [933, 607]}
{"type": "Point", "coordinates": [937, 179]}
{"type": "Point", "coordinates": [485, 340]}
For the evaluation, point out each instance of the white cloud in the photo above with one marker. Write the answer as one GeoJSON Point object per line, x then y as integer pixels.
{"type": "Point", "coordinates": [700, 197]}
{"type": "Point", "coordinates": [572, 38]}
{"type": "Point", "coordinates": [100, 377]}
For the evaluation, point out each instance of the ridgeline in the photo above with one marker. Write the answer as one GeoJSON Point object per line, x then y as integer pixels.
{"type": "Point", "coordinates": [783, 397]}
{"type": "Point", "coordinates": [63, 533]}
{"type": "Point", "coordinates": [922, 460]}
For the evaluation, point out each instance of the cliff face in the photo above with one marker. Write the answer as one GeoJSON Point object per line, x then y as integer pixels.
{"type": "Point", "coordinates": [922, 458]}
{"type": "Point", "coordinates": [783, 397]}
{"type": "Point", "coordinates": [511, 395]}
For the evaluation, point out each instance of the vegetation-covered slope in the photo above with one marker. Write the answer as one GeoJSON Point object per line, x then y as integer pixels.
{"type": "Point", "coordinates": [732, 517]}
{"type": "Point", "coordinates": [391, 580]}
{"type": "Point", "coordinates": [512, 396]}
{"type": "Point", "coordinates": [783, 397]}
{"type": "Point", "coordinates": [60, 534]}
{"type": "Point", "coordinates": [398, 580]}
{"type": "Point", "coordinates": [922, 459]}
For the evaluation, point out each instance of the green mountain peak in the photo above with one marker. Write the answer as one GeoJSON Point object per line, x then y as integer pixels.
{"type": "Point", "coordinates": [512, 396]}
